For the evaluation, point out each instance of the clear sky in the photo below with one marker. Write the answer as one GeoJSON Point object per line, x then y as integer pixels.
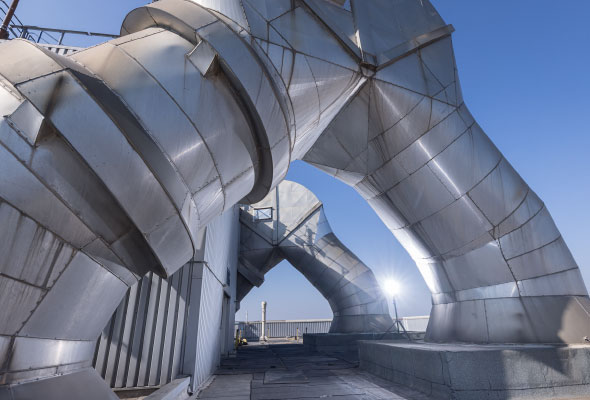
{"type": "Point", "coordinates": [523, 66]}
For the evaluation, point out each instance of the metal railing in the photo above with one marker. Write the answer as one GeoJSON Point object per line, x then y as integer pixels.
{"type": "Point", "coordinates": [4, 7]}
{"type": "Point", "coordinates": [282, 329]}
{"type": "Point", "coordinates": [291, 328]}
{"type": "Point", "coordinates": [53, 36]}
{"type": "Point", "coordinates": [41, 35]}
{"type": "Point", "coordinates": [415, 324]}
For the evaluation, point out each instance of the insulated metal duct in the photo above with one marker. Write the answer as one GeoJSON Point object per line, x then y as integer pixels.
{"type": "Point", "coordinates": [497, 266]}
{"type": "Point", "coordinates": [112, 162]}
{"type": "Point", "coordinates": [290, 224]}
{"type": "Point", "coordinates": [115, 157]}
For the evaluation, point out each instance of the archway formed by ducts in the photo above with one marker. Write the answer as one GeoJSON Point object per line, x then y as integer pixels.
{"type": "Point", "coordinates": [290, 224]}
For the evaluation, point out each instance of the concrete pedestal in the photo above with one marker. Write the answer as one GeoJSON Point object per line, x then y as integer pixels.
{"type": "Point", "coordinates": [481, 372]}
{"type": "Point", "coordinates": [343, 342]}
{"type": "Point", "coordinates": [84, 384]}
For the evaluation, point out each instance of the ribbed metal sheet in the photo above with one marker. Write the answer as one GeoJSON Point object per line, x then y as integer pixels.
{"type": "Point", "coordinates": [279, 329]}
{"type": "Point", "coordinates": [141, 346]}
{"type": "Point", "coordinates": [146, 340]}
{"type": "Point", "coordinates": [209, 331]}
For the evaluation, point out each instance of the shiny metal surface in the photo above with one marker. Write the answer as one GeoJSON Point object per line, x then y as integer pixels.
{"type": "Point", "coordinates": [121, 359]}
{"type": "Point", "coordinates": [213, 302]}
{"type": "Point", "coordinates": [166, 328]}
{"type": "Point", "coordinates": [116, 157]}
{"type": "Point", "coordinates": [480, 236]}
{"type": "Point", "coordinates": [77, 232]}
{"type": "Point", "coordinates": [297, 230]}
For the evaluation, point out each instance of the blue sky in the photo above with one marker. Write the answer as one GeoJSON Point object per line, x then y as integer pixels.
{"type": "Point", "coordinates": [523, 66]}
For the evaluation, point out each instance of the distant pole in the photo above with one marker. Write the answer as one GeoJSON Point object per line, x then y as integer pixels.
{"type": "Point", "coordinates": [263, 330]}
{"type": "Point", "coordinates": [7, 19]}
{"type": "Point", "coordinates": [396, 318]}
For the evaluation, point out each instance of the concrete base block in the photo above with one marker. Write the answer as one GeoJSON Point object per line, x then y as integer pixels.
{"type": "Point", "coordinates": [342, 342]}
{"type": "Point", "coordinates": [84, 384]}
{"type": "Point", "coordinates": [481, 372]}
{"type": "Point", "coordinates": [175, 390]}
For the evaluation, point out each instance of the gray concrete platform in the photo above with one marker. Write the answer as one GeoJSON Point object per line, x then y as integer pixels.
{"type": "Point", "coordinates": [482, 372]}
{"type": "Point", "coordinates": [290, 371]}
{"type": "Point", "coordinates": [347, 342]}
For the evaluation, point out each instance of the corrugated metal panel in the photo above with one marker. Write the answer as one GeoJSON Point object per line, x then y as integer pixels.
{"type": "Point", "coordinates": [139, 345]}
{"type": "Point", "coordinates": [208, 340]}
{"type": "Point", "coordinates": [277, 329]}
{"type": "Point", "coordinates": [147, 339]}
{"type": "Point", "coordinates": [176, 351]}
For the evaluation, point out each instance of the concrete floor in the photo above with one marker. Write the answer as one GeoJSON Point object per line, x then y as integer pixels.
{"type": "Point", "coordinates": [288, 371]}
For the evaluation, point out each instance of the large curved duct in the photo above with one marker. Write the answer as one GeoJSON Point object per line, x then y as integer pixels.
{"type": "Point", "coordinates": [497, 266]}
{"type": "Point", "coordinates": [114, 158]}
{"type": "Point", "coordinates": [290, 224]}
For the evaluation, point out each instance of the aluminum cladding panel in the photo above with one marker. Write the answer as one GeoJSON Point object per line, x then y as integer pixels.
{"type": "Point", "coordinates": [476, 230]}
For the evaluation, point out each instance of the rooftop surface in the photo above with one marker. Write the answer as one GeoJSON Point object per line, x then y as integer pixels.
{"type": "Point", "coordinates": [289, 371]}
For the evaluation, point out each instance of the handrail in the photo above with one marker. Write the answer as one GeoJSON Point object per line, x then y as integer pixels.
{"type": "Point", "coordinates": [25, 32]}
{"type": "Point", "coordinates": [8, 7]}
{"type": "Point", "coordinates": [4, 11]}
{"type": "Point", "coordinates": [37, 33]}
{"type": "Point", "coordinates": [86, 33]}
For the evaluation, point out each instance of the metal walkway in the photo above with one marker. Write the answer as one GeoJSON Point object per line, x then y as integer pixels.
{"type": "Point", "coordinates": [289, 371]}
